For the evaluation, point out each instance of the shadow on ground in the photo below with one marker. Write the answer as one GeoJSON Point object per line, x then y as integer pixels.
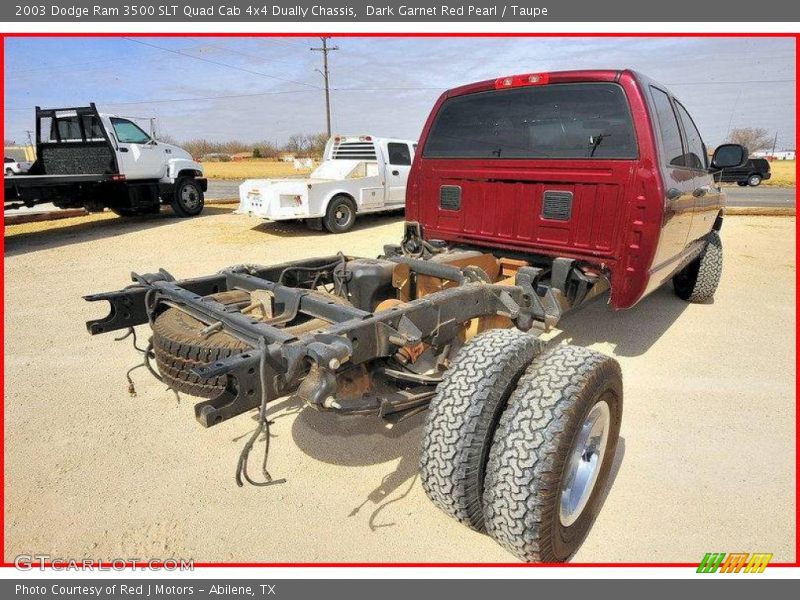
{"type": "Point", "coordinates": [360, 441]}
{"type": "Point", "coordinates": [631, 332]}
{"type": "Point", "coordinates": [289, 229]}
{"type": "Point", "coordinates": [92, 229]}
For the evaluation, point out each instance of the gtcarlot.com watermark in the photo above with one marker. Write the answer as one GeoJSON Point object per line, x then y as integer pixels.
{"type": "Point", "coordinates": [42, 562]}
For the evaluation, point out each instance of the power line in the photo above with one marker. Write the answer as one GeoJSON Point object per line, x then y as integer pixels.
{"type": "Point", "coordinates": [196, 98]}
{"type": "Point", "coordinates": [220, 64]}
{"type": "Point", "coordinates": [70, 67]}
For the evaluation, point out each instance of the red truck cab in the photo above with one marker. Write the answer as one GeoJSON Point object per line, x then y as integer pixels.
{"type": "Point", "coordinates": [605, 167]}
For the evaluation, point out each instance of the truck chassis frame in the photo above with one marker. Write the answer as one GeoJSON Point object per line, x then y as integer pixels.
{"type": "Point", "coordinates": [309, 365]}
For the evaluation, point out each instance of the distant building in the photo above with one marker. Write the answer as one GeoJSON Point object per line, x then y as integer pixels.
{"type": "Point", "coordinates": [215, 157]}
{"type": "Point", "coordinates": [777, 155]}
{"type": "Point", "coordinates": [286, 157]}
{"type": "Point", "coordinates": [241, 155]}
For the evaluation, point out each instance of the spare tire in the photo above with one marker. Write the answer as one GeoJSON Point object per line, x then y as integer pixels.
{"type": "Point", "coordinates": [179, 347]}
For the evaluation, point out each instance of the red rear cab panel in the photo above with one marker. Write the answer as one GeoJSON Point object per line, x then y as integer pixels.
{"type": "Point", "coordinates": [616, 213]}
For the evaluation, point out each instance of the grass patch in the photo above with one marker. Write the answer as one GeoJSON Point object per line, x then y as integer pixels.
{"type": "Point", "coordinates": [783, 173]}
{"type": "Point", "coordinates": [255, 168]}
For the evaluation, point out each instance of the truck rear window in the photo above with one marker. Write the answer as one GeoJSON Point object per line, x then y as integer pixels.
{"type": "Point", "coordinates": [572, 120]}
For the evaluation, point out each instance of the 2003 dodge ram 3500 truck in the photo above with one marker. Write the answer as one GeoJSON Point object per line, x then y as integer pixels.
{"type": "Point", "coordinates": [529, 196]}
{"type": "Point", "coordinates": [92, 160]}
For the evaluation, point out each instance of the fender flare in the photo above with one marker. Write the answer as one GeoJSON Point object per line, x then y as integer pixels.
{"type": "Point", "coordinates": [333, 195]}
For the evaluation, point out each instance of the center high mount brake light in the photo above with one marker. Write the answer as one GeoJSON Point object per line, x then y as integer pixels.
{"type": "Point", "coordinates": [513, 81]}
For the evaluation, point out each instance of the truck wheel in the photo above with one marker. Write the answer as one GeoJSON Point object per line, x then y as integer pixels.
{"type": "Point", "coordinates": [552, 454]}
{"type": "Point", "coordinates": [741, 183]}
{"type": "Point", "coordinates": [179, 347]}
{"type": "Point", "coordinates": [754, 180]}
{"type": "Point", "coordinates": [462, 418]}
{"type": "Point", "coordinates": [188, 198]}
{"type": "Point", "coordinates": [341, 215]}
{"type": "Point", "coordinates": [9, 172]}
{"type": "Point", "coordinates": [698, 281]}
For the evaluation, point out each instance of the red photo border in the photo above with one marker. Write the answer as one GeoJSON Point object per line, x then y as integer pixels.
{"type": "Point", "coordinates": [106, 565]}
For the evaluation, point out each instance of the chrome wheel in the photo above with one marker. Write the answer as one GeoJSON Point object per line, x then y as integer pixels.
{"type": "Point", "coordinates": [754, 180]}
{"type": "Point", "coordinates": [189, 197]}
{"type": "Point", "coordinates": [584, 463]}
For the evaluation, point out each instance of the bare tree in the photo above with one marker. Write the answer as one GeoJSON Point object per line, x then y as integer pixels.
{"type": "Point", "coordinates": [297, 143]}
{"type": "Point", "coordinates": [754, 139]}
{"type": "Point", "coordinates": [316, 144]}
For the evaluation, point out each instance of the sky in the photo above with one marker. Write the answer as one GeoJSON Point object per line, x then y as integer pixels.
{"type": "Point", "coordinates": [262, 88]}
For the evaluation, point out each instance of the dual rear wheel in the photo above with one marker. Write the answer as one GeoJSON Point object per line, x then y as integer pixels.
{"type": "Point", "coordinates": [519, 441]}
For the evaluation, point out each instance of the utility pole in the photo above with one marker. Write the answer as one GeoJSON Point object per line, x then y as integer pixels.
{"type": "Point", "coordinates": [774, 143]}
{"type": "Point", "coordinates": [325, 74]}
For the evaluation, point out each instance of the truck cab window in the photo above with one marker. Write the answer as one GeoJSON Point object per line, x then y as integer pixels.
{"type": "Point", "coordinates": [671, 144]}
{"type": "Point", "coordinates": [696, 157]}
{"type": "Point", "coordinates": [128, 132]}
{"type": "Point", "coordinates": [399, 154]}
{"type": "Point", "coordinates": [572, 120]}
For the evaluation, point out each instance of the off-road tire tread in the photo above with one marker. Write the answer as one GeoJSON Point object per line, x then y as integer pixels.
{"type": "Point", "coordinates": [522, 475]}
{"type": "Point", "coordinates": [462, 417]}
{"type": "Point", "coordinates": [709, 271]}
{"type": "Point", "coordinates": [178, 349]}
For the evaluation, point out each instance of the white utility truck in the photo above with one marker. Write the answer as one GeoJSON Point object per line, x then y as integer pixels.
{"type": "Point", "coordinates": [93, 160]}
{"type": "Point", "coordinates": [358, 175]}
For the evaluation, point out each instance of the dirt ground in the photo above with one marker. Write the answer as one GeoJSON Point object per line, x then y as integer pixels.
{"type": "Point", "coordinates": [707, 460]}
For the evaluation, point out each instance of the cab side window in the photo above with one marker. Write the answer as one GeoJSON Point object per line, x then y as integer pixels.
{"type": "Point", "coordinates": [671, 145]}
{"type": "Point", "coordinates": [696, 156]}
{"type": "Point", "coordinates": [128, 132]}
{"type": "Point", "coordinates": [399, 154]}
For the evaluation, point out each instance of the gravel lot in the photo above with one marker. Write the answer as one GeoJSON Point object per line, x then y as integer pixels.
{"type": "Point", "coordinates": [707, 460]}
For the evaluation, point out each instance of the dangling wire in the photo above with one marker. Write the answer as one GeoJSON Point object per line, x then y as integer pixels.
{"type": "Point", "coordinates": [147, 354]}
{"type": "Point", "coordinates": [263, 426]}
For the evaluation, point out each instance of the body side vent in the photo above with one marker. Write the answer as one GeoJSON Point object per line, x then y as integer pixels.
{"type": "Point", "coordinates": [450, 197]}
{"type": "Point", "coordinates": [557, 206]}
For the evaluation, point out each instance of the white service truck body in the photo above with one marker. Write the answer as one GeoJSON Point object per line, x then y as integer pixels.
{"type": "Point", "coordinates": [358, 174]}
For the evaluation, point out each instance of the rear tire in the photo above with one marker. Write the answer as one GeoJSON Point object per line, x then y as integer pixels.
{"type": "Point", "coordinates": [188, 199]}
{"type": "Point", "coordinates": [698, 281]}
{"type": "Point", "coordinates": [754, 180]}
{"type": "Point", "coordinates": [9, 172]}
{"type": "Point", "coordinates": [462, 417]}
{"type": "Point", "coordinates": [552, 454]}
{"type": "Point", "coordinates": [340, 215]}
